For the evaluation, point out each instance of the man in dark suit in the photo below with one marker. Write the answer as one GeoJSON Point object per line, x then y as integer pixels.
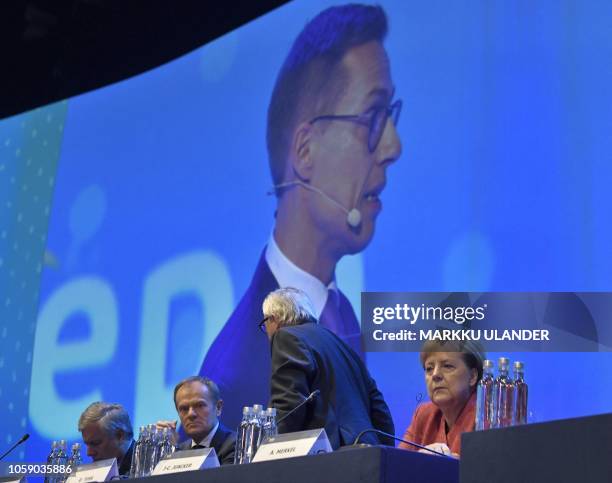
{"type": "Point", "coordinates": [199, 405]}
{"type": "Point", "coordinates": [331, 137]}
{"type": "Point", "coordinates": [107, 432]}
{"type": "Point", "coordinates": [307, 357]}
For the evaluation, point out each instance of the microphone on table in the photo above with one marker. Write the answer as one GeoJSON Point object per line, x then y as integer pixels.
{"type": "Point", "coordinates": [23, 438]}
{"type": "Point", "coordinates": [310, 397]}
{"type": "Point", "coordinates": [412, 443]}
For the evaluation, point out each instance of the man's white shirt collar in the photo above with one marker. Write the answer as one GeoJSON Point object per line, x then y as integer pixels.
{"type": "Point", "coordinates": [288, 274]}
{"type": "Point", "coordinates": [207, 440]}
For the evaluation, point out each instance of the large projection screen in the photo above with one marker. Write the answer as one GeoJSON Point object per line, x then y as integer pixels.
{"type": "Point", "coordinates": [133, 217]}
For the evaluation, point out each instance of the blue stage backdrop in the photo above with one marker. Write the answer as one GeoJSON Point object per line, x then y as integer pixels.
{"type": "Point", "coordinates": [159, 212]}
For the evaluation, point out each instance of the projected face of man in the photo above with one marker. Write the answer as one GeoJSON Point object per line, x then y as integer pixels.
{"type": "Point", "coordinates": [333, 156]}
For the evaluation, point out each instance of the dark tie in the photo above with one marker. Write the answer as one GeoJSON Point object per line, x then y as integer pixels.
{"type": "Point", "coordinates": [339, 317]}
{"type": "Point", "coordinates": [199, 446]}
{"type": "Point", "coordinates": [330, 317]}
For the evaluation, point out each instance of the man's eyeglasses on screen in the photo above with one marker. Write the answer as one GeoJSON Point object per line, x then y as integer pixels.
{"type": "Point", "coordinates": [375, 119]}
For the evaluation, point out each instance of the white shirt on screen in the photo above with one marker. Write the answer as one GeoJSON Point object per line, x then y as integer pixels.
{"type": "Point", "coordinates": [288, 274]}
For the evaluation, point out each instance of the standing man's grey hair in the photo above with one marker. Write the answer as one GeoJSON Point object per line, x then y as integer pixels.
{"type": "Point", "coordinates": [288, 306]}
{"type": "Point", "coordinates": [111, 417]}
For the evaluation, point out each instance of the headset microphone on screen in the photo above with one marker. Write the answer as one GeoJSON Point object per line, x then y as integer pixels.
{"type": "Point", "coordinates": [353, 216]}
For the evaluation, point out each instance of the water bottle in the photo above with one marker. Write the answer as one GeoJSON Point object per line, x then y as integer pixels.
{"type": "Point", "coordinates": [504, 395]}
{"type": "Point", "coordinates": [141, 465]}
{"type": "Point", "coordinates": [253, 433]}
{"type": "Point", "coordinates": [158, 443]}
{"type": "Point", "coordinates": [135, 468]}
{"type": "Point", "coordinates": [485, 407]}
{"type": "Point", "coordinates": [269, 429]}
{"type": "Point", "coordinates": [151, 450]}
{"type": "Point", "coordinates": [53, 453]}
{"type": "Point", "coordinates": [62, 453]}
{"type": "Point", "coordinates": [147, 451]}
{"type": "Point", "coordinates": [74, 460]}
{"type": "Point", "coordinates": [242, 436]}
{"type": "Point", "coordinates": [260, 412]}
{"type": "Point", "coordinates": [520, 394]}
{"type": "Point", "coordinates": [61, 458]}
{"type": "Point", "coordinates": [166, 445]}
{"type": "Point", "coordinates": [75, 457]}
{"type": "Point", "coordinates": [52, 460]}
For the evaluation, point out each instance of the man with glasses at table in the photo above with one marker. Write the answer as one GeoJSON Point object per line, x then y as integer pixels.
{"type": "Point", "coordinates": [331, 137]}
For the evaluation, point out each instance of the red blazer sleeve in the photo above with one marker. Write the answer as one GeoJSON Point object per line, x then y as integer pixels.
{"type": "Point", "coordinates": [413, 431]}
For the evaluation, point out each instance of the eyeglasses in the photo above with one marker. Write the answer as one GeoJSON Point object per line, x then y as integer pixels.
{"type": "Point", "coordinates": [375, 119]}
{"type": "Point", "coordinates": [262, 325]}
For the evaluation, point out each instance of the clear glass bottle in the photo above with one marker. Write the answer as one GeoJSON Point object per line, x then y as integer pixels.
{"type": "Point", "coordinates": [135, 468]}
{"type": "Point", "coordinates": [61, 458]}
{"type": "Point", "coordinates": [253, 433]}
{"type": "Point", "coordinates": [52, 453]}
{"type": "Point", "coordinates": [260, 412]}
{"type": "Point", "coordinates": [166, 447]}
{"type": "Point", "coordinates": [269, 428]}
{"type": "Point", "coordinates": [504, 394]}
{"type": "Point", "coordinates": [52, 459]}
{"type": "Point", "coordinates": [62, 453]}
{"type": "Point", "coordinates": [158, 445]}
{"type": "Point", "coordinates": [242, 436]}
{"type": "Point", "coordinates": [485, 402]}
{"type": "Point", "coordinates": [74, 460]}
{"type": "Point", "coordinates": [147, 451]}
{"type": "Point", "coordinates": [151, 449]}
{"type": "Point", "coordinates": [520, 394]}
{"type": "Point", "coordinates": [75, 456]}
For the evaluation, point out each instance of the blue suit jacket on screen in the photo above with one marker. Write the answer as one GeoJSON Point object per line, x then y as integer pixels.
{"type": "Point", "coordinates": [239, 358]}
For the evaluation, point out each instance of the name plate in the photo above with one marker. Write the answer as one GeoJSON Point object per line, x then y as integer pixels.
{"type": "Point", "coordinates": [289, 445]}
{"type": "Point", "coordinates": [102, 470]}
{"type": "Point", "coordinates": [187, 460]}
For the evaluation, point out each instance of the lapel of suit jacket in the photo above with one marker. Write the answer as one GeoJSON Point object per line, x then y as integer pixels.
{"type": "Point", "coordinates": [219, 437]}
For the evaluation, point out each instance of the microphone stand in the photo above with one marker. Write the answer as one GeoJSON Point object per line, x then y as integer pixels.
{"type": "Point", "coordinates": [412, 443]}
{"type": "Point", "coordinates": [310, 397]}
{"type": "Point", "coordinates": [23, 438]}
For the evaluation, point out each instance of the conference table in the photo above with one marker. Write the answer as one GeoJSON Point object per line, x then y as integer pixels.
{"type": "Point", "coordinates": [374, 464]}
{"type": "Point", "coordinates": [569, 450]}
{"type": "Point", "coordinates": [576, 450]}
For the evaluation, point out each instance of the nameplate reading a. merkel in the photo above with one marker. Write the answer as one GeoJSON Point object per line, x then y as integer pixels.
{"type": "Point", "coordinates": [289, 445]}
{"type": "Point", "coordinates": [187, 460]}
